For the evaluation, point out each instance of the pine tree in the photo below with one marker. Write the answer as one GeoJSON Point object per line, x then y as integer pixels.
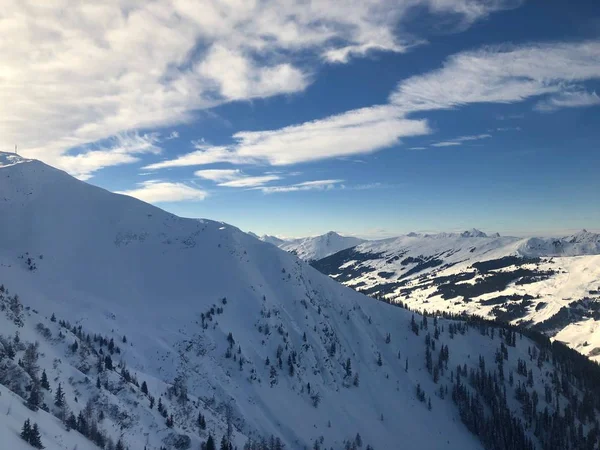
{"type": "Point", "coordinates": [120, 445]}
{"type": "Point", "coordinates": [36, 438]}
{"type": "Point", "coordinates": [379, 361]}
{"type": "Point", "coordinates": [53, 318]}
{"type": "Point", "coordinates": [72, 422]}
{"type": "Point", "coordinates": [210, 443]}
{"type": "Point", "coordinates": [26, 431]}
{"type": "Point", "coordinates": [44, 381]}
{"type": "Point", "coordinates": [59, 397]}
{"type": "Point", "coordinates": [144, 388]}
{"type": "Point", "coordinates": [98, 384]}
{"type": "Point", "coordinates": [33, 401]}
{"type": "Point", "coordinates": [225, 445]}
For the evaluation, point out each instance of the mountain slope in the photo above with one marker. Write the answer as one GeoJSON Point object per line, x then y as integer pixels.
{"type": "Point", "coordinates": [117, 266]}
{"type": "Point", "coordinates": [118, 293]}
{"type": "Point", "coordinates": [550, 284]}
{"type": "Point", "coordinates": [317, 247]}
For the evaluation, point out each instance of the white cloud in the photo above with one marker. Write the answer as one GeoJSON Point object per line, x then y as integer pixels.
{"type": "Point", "coordinates": [355, 132]}
{"type": "Point", "coordinates": [218, 175]}
{"type": "Point", "coordinates": [235, 178]}
{"type": "Point", "coordinates": [460, 140]}
{"type": "Point", "coordinates": [316, 185]}
{"type": "Point", "coordinates": [80, 72]}
{"type": "Point", "coordinates": [156, 191]}
{"type": "Point", "coordinates": [121, 149]}
{"type": "Point", "coordinates": [504, 74]}
{"type": "Point", "coordinates": [245, 182]}
{"type": "Point", "coordinates": [172, 135]}
{"type": "Point", "coordinates": [575, 99]}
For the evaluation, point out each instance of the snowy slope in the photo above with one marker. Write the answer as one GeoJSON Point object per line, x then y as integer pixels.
{"type": "Point", "coordinates": [117, 266]}
{"type": "Point", "coordinates": [169, 291]}
{"type": "Point", "coordinates": [538, 282]}
{"type": "Point", "coordinates": [317, 247]}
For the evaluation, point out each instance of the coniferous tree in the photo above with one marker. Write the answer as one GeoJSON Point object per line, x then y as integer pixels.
{"type": "Point", "coordinates": [144, 388]}
{"type": "Point", "coordinates": [210, 443]}
{"type": "Point", "coordinates": [225, 445]}
{"type": "Point", "coordinates": [72, 422]}
{"type": "Point", "coordinates": [36, 438]}
{"type": "Point", "coordinates": [59, 397]}
{"type": "Point", "coordinates": [26, 431]}
{"type": "Point", "coordinates": [33, 401]}
{"type": "Point", "coordinates": [44, 381]}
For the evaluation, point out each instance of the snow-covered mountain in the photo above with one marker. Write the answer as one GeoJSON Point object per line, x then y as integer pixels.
{"type": "Point", "coordinates": [272, 240]}
{"type": "Point", "coordinates": [316, 247]}
{"type": "Point", "coordinates": [547, 283]}
{"type": "Point", "coordinates": [148, 321]}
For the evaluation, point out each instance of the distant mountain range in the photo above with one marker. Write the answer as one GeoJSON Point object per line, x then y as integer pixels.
{"type": "Point", "coordinates": [315, 247]}
{"type": "Point", "coordinates": [550, 284]}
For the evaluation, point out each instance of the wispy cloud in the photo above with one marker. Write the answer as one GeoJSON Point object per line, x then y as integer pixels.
{"type": "Point", "coordinates": [355, 132]}
{"type": "Point", "coordinates": [111, 67]}
{"type": "Point", "coordinates": [156, 191]}
{"type": "Point", "coordinates": [461, 140]}
{"type": "Point", "coordinates": [236, 178]}
{"type": "Point", "coordinates": [576, 99]}
{"type": "Point", "coordinates": [246, 182]}
{"type": "Point", "coordinates": [219, 175]}
{"type": "Point", "coordinates": [120, 149]}
{"type": "Point", "coordinates": [504, 74]}
{"type": "Point", "coordinates": [318, 185]}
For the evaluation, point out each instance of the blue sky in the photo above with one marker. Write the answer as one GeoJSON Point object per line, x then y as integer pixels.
{"type": "Point", "coordinates": [372, 119]}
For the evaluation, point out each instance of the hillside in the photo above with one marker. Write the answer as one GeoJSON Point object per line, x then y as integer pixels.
{"type": "Point", "coordinates": [128, 307]}
{"type": "Point", "coordinates": [552, 285]}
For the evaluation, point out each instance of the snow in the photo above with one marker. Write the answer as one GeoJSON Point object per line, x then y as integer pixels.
{"type": "Point", "coordinates": [318, 247]}
{"type": "Point", "coordinates": [574, 261]}
{"type": "Point", "coordinates": [118, 266]}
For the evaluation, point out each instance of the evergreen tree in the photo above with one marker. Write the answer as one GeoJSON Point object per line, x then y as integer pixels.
{"type": "Point", "coordinates": [225, 445]}
{"type": "Point", "coordinates": [98, 384]}
{"type": "Point", "coordinates": [26, 431]}
{"type": "Point", "coordinates": [44, 381]}
{"type": "Point", "coordinates": [210, 443]}
{"type": "Point", "coordinates": [59, 397]}
{"type": "Point", "coordinates": [120, 445]}
{"type": "Point", "coordinates": [144, 388]}
{"type": "Point", "coordinates": [33, 401]}
{"type": "Point", "coordinates": [72, 422]}
{"type": "Point", "coordinates": [36, 438]}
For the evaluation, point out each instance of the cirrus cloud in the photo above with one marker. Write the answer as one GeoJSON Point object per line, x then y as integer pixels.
{"type": "Point", "coordinates": [82, 72]}
{"type": "Point", "coordinates": [157, 191]}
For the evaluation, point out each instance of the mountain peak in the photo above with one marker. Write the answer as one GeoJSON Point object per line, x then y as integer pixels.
{"type": "Point", "coordinates": [473, 232]}
{"type": "Point", "coordinates": [10, 159]}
